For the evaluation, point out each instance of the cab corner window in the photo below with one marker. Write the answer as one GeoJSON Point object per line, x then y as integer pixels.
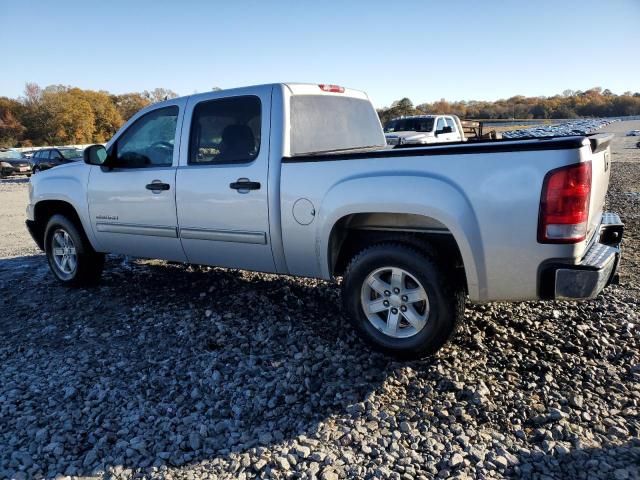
{"type": "Point", "coordinates": [149, 141]}
{"type": "Point", "coordinates": [225, 131]}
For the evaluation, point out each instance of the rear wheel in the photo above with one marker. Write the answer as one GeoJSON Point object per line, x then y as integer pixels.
{"type": "Point", "coordinates": [71, 258]}
{"type": "Point", "coordinates": [401, 301]}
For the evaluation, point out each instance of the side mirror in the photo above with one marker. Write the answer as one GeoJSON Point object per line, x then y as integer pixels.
{"type": "Point", "coordinates": [95, 155]}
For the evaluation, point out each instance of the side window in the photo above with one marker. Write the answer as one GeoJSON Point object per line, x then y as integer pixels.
{"type": "Point", "coordinates": [225, 131]}
{"type": "Point", "coordinates": [54, 155]}
{"type": "Point", "coordinates": [149, 141]}
{"type": "Point", "coordinates": [440, 124]}
{"type": "Point", "coordinates": [451, 123]}
{"type": "Point", "coordinates": [44, 154]}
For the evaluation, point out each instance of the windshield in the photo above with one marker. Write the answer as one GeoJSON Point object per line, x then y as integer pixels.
{"type": "Point", "coordinates": [11, 155]}
{"type": "Point", "coordinates": [69, 153]}
{"type": "Point", "coordinates": [409, 125]}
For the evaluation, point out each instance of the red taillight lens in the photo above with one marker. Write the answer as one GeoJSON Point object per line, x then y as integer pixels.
{"type": "Point", "coordinates": [331, 88]}
{"type": "Point", "coordinates": [564, 204]}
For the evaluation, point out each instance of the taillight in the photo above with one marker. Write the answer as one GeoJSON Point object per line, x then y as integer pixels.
{"type": "Point", "coordinates": [331, 88]}
{"type": "Point", "coordinates": [564, 204]}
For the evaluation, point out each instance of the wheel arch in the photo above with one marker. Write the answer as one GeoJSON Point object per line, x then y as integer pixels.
{"type": "Point", "coordinates": [431, 211]}
{"type": "Point", "coordinates": [45, 209]}
{"type": "Point", "coordinates": [355, 232]}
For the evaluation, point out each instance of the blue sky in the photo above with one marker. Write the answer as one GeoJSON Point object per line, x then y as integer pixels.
{"type": "Point", "coordinates": [419, 49]}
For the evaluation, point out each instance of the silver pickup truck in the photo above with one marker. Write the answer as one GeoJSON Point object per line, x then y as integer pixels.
{"type": "Point", "coordinates": [296, 179]}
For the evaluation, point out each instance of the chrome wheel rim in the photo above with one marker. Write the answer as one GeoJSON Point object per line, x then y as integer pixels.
{"type": "Point", "coordinates": [64, 253]}
{"type": "Point", "coordinates": [395, 302]}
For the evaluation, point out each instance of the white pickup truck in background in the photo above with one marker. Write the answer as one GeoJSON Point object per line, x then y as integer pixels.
{"type": "Point", "coordinates": [424, 129]}
{"type": "Point", "coordinates": [297, 179]}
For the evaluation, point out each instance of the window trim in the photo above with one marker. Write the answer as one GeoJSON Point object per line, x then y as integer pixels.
{"type": "Point", "coordinates": [192, 130]}
{"type": "Point", "coordinates": [113, 148]}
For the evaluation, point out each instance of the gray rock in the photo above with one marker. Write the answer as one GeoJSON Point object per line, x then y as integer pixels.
{"type": "Point", "coordinates": [456, 460]}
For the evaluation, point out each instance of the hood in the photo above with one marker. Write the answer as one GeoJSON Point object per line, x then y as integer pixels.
{"type": "Point", "coordinates": [61, 167]}
{"type": "Point", "coordinates": [393, 138]}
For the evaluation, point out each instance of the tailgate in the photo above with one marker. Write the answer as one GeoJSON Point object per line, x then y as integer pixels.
{"type": "Point", "coordinates": [600, 156]}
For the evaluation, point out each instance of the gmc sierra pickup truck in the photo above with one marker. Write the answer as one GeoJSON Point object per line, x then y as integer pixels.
{"type": "Point", "coordinates": [424, 129]}
{"type": "Point", "coordinates": [297, 179]}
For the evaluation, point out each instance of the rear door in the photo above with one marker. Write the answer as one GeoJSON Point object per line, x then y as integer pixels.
{"type": "Point", "coordinates": [132, 205]}
{"type": "Point", "coordinates": [222, 204]}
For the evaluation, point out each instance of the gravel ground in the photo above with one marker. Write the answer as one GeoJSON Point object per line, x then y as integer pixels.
{"type": "Point", "coordinates": [173, 371]}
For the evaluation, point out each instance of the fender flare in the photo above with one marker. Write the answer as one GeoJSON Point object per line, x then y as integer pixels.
{"type": "Point", "coordinates": [412, 193]}
{"type": "Point", "coordinates": [70, 190]}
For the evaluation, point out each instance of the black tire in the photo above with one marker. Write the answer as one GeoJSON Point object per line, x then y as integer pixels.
{"type": "Point", "coordinates": [89, 264]}
{"type": "Point", "coordinates": [445, 300]}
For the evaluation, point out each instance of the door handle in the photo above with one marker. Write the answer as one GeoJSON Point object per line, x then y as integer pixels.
{"type": "Point", "coordinates": [243, 185]}
{"type": "Point", "coordinates": [157, 186]}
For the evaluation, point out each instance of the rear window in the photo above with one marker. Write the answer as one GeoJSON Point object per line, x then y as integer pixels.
{"type": "Point", "coordinates": [323, 123]}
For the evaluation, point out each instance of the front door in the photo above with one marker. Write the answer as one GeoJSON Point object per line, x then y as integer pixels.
{"type": "Point", "coordinates": [223, 212]}
{"type": "Point", "coordinates": [132, 203]}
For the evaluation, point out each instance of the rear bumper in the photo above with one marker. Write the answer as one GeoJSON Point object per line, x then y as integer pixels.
{"type": "Point", "coordinates": [594, 272]}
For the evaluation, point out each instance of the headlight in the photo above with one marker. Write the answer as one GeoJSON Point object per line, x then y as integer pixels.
{"type": "Point", "coordinates": [5, 165]}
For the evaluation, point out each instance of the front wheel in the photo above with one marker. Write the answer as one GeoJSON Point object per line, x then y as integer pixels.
{"type": "Point", "coordinates": [71, 258]}
{"type": "Point", "coordinates": [401, 301]}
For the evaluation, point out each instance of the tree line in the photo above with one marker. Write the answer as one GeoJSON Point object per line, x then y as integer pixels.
{"type": "Point", "coordinates": [62, 115]}
{"type": "Point", "coordinates": [594, 102]}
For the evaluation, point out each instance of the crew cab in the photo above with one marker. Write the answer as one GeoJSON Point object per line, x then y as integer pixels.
{"type": "Point", "coordinates": [297, 179]}
{"type": "Point", "coordinates": [424, 129]}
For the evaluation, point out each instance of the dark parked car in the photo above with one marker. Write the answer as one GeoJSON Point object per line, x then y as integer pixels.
{"type": "Point", "coordinates": [13, 162]}
{"type": "Point", "coordinates": [52, 157]}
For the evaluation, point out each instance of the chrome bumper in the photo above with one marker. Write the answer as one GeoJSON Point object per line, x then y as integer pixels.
{"type": "Point", "coordinates": [596, 270]}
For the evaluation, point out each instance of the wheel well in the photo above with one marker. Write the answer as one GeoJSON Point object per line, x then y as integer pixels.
{"type": "Point", "coordinates": [46, 209]}
{"type": "Point", "coordinates": [354, 233]}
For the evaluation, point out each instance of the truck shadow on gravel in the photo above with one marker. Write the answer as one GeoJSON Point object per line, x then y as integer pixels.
{"type": "Point", "coordinates": [167, 364]}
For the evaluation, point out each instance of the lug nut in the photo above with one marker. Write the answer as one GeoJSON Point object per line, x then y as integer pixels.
{"type": "Point", "coordinates": [404, 298]}
{"type": "Point", "coordinates": [403, 308]}
{"type": "Point", "coordinates": [387, 293]}
{"type": "Point", "coordinates": [386, 303]}
{"type": "Point", "coordinates": [396, 290]}
{"type": "Point", "coordinates": [394, 311]}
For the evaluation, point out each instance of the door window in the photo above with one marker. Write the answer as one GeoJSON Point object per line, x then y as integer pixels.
{"type": "Point", "coordinates": [440, 124]}
{"type": "Point", "coordinates": [451, 123]}
{"type": "Point", "coordinates": [148, 142]}
{"type": "Point", "coordinates": [225, 131]}
{"type": "Point", "coordinates": [54, 155]}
